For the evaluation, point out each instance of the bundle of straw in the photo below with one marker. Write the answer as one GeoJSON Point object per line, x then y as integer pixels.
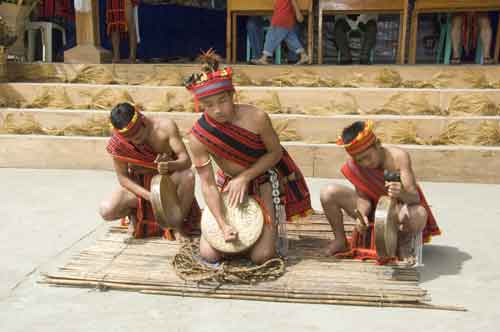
{"type": "Point", "coordinates": [388, 78]}
{"type": "Point", "coordinates": [284, 131]}
{"type": "Point", "coordinates": [355, 82]}
{"type": "Point", "coordinates": [27, 126]}
{"type": "Point", "coordinates": [162, 78]}
{"type": "Point", "coordinates": [408, 104]}
{"type": "Point", "coordinates": [347, 105]}
{"type": "Point", "coordinates": [241, 78]}
{"type": "Point", "coordinates": [94, 75]}
{"type": "Point", "coordinates": [488, 133]}
{"type": "Point", "coordinates": [108, 98]}
{"type": "Point", "coordinates": [472, 104]}
{"type": "Point", "coordinates": [478, 80]}
{"type": "Point", "coordinates": [93, 127]}
{"type": "Point", "coordinates": [405, 133]}
{"type": "Point", "coordinates": [53, 97]}
{"type": "Point", "coordinates": [455, 133]}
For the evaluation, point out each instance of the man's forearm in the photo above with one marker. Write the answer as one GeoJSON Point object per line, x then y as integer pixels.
{"type": "Point", "coordinates": [296, 7]}
{"type": "Point", "coordinates": [214, 203]}
{"type": "Point", "coordinates": [179, 164]}
{"type": "Point", "coordinates": [134, 188]}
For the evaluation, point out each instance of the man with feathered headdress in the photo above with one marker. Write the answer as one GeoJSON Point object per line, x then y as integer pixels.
{"type": "Point", "coordinates": [242, 142]}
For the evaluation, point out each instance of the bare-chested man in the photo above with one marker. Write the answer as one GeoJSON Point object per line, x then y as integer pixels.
{"type": "Point", "coordinates": [365, 170]}
{"type": "Point", "coordinates": [142, 147]}
{"type": "Point", "coordinates": [242, 142]}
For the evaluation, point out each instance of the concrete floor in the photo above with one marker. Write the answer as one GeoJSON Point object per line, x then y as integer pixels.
{"type": "Point", "coordinates": [48, 215]}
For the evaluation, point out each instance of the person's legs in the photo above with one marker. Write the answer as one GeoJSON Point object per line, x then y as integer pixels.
{"type": "Point", "coordinates": [274, 37]}
{"type": "Point", "coordinates": [184, 182]}
{"type": "Point", "coordinates": [265, 247]}
{"type": "Point", "coordinates": [119, 205]}
{"type": "Point", "coordinates": [485, 35]}
{"type": "Point", "coordinates": [115, 45]}
{"type": "Point", "coordinates": [369, 41]}
{"type": "Point", "coordinates": [413, 219]}
{"type": "Point", "coordinates": [342, 42]}
{"type": "Point", "coordinates": [208, 253]}
{"type": "Point", "coordinates": [294, 45]}
{"type": "Point", "coordinates": [254, 33]}
{"type": "Point", "coordinates": [335, 198]}
{"type": "Point", "coordinates": [456, 36]}
{"type": "Point", "coordinates": [132, 33]}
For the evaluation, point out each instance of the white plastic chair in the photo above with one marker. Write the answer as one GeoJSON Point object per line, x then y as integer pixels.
{"type": "Point", "coordinates": [46, 30]}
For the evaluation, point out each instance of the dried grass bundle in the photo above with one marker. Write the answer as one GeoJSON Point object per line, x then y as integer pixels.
{"type": "Point", "coordinates": [284, 131]}
{"type": "Point", "coordinates": [407, 104]}
{"type": "Point", "coordinates": [355, 82]}
{"type": "Point", "coordinates": [95, 75]}
{"type": "Point", "coordinates": [488, 134]}
{"type": "Point", "coordinates": [53, 97]}
{"type": "Point", "coordinates": [41, 73]}
{"type": "Point", "coordinates": [109, 97]}
{"type": "Point", "coordinates": [162, 78]}
{"type": "Point", "coordinates": [241, 78]}
{"type": "Point", "coordinates": [93, 127]}
{"type": "Point", "coordinates": [347, 105]}
{"type": "Point", "coordinates": [478, 80]}
{"type": "Point", "coordinates": [271, 105]}
{"type": "Point", "coordinates": [405, 133]}
{"type": "Point", "coordinates": [455, 133]}
{"type": "Point", "coordinates": [27, 126]}
{"type": "Point", "coordinates": [388, 78]}
{"type": "Point", "coordinates": [472, 104]}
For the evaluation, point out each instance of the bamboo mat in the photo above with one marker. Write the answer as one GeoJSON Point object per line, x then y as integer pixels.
{"type": "Point", "coordinates": [145, 266]}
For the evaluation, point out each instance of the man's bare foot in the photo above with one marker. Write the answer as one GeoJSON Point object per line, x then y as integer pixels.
{"type": "Point", "coordinates": [336, 246]}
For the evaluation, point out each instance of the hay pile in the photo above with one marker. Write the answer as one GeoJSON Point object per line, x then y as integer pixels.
{"type": "Point", "coordinates": [242, 79]}
{"type": "Point", "coordinates": [27, 125]}
{"type": "Point", "coordinates": [162, 78]}
{"type": "Point", "coordinates": [51, 97]}
{"type": "Point", "coordinates": [472, 104]}
{"type": "Point", "coordinates": [95, 75]}
{"type": "Point", "coordinates": [438, 80]}
{"type": "Point", "coordinates": [455, 133]}
{"type": "Point", "coordinates": [388, 78]}
{"type": "Point", "coordinates": [488, 133]}
{"type": "Point", "coordinates": [407, 104]}
{"type": "Point", "coordinates": [107, 98]}
{"type": "Point", "coordinates": [303, 79]}
{"type": "Point", "coordinates": [169, 104]}
{"type": "Point", "coordinates": [478, 80]}
{"type": "Point", "coordinates": [285, 131]}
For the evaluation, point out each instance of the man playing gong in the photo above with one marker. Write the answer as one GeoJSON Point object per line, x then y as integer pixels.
{"type": "Point", "coordinates": [142, 147]}
{"type": "Point", "coordinates": [365, 170]}
{"type": "Point", "coordinates": [242, 142]}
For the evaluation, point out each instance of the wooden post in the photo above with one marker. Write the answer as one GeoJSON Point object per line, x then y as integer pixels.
{"type": "Point", "coordinates": [88, 49]}
{"type": "Point", "coordinates": [3, 64]}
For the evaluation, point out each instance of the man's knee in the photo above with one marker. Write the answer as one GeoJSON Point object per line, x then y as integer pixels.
{"type": "Point", "coordinates": [106, 211]}
{"type": "Point", "coordinates": [419, 218]}
{"type": "Point", "coordinates": [263, 255]}
{"type": "Point", "coordinates": [330, 194]}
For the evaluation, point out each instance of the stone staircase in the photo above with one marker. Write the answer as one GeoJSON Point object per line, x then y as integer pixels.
{"type": "Point", "coordinates": [448, 118]}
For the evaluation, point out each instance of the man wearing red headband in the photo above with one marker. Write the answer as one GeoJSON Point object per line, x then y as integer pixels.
{"type": "Point", "coordinates": [365, 170]}
{"type": "Point", "coordinates": [142, 147]}
{"type": "Point", "coordinates": [242, 142]}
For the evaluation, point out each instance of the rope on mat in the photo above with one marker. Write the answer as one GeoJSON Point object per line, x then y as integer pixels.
{"type": "Point", "coordinates": [189, 268]}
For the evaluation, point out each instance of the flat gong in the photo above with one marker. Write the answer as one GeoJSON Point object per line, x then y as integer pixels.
{"type": "Point", "coordinates": [165, 203]}
{"type": "Point", "coordinates": [386, 227]}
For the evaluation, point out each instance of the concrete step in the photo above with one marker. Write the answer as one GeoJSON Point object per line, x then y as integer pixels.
{"type": "Point", "coordinates": [431, 163]}
{"type": "Point", "coordinates": [311, 101]}
{"type": "Point", "coordinates": [464, 76]}
{"type": "Point", "coordinates": [431, 130]}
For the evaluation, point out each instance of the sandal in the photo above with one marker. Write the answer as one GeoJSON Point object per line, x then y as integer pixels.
{"type": "Point", "coordinates": [488, 61]}
{"type": "Point", "coordinates": [455, 61]}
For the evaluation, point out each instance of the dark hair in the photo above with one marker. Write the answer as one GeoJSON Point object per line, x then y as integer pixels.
{"type": "Point", "coordinates": [350, 133]}
{"type": "Point", "coordinates": [121, 115]}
